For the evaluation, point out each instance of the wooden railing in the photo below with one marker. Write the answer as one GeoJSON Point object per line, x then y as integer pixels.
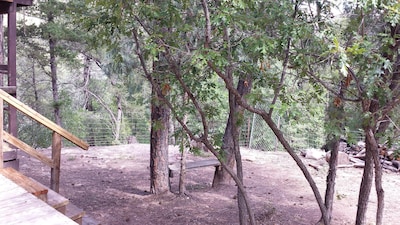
{"type": "Point", "coordinates": [58, 133]}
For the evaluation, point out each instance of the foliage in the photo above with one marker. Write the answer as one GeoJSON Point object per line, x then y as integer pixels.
{"type": "Point", "coordinates": [301, 60]}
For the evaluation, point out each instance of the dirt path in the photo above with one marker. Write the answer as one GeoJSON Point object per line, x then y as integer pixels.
{"type": "Point", "coordinates": [112, 185]}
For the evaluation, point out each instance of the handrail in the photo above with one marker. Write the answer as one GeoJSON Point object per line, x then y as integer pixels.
{"type": "Point", "coordinates": [43, 120]}
{"type": "Point", "coordinates": [58, 132]}
{"type": "Point", "coordinates": [27, 148]}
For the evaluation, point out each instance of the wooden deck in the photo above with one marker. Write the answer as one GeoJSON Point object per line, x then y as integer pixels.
{"type": "Point", "coordinates": [19, 207]}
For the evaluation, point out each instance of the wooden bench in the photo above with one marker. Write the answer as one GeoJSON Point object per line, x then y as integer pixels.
{"type": "Point", "coordinates": [176, 167]}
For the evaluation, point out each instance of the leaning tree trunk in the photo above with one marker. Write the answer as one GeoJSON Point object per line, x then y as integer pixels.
{"type": "Point", "coordinates": [160, 113]}
{"type": "Point", "coordinates": [222, 177]}
{"type": "Point", "coordinates": [378, 177]}
{"type": "Point", "coordinates": [235, 128]}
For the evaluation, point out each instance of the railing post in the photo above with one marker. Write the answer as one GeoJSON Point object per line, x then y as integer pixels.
{"type": "Point", "coordinates": [1, 132]}
{"type": "Point", "coordinates": [56, 156]}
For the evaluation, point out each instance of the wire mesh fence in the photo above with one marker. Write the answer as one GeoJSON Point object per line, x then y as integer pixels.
{"type": "Point", "coordinates": [257, 135]}
{"type": "Point", "coordinates": [99, 131]}
{"type": "Point", "coordinates": [254, 134]}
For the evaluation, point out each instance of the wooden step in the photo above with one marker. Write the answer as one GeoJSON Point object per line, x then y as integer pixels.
{"type": "Point", "coordinates": [57, 201]}
{"type": "Point", "coordinates": [74, 213]}
{"type": "Point", "coordinates": [87, 220]}
{"type": "Point", "coordinates": [35, 188]}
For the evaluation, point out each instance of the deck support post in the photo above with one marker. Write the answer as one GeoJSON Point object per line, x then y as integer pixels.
{"type": "Point", "coordinates": [12, 65]}
{"type": "Point", "coordinates": [56, 157]}
{"type": "Point", "coordinates": [1, 133]}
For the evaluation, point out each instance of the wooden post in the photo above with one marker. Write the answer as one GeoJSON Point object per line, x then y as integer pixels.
{"type": "Point", "coordinates": [56, 156]}
{"type": "Point", "coordinates": [1, 133]}
{"type": "Point", "coordinates": [12, 65]}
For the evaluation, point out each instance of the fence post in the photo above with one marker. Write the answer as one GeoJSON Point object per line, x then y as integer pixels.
{"type": "Point", "coordinates": [56, 157]}
{"type": "Point", "coordinates": [1, 132]}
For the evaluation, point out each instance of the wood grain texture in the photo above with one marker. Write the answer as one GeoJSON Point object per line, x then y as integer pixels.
{"type": "Point", "coordinates": [18, 207]}
{"type": "Point", "coordinates": [30, 186]}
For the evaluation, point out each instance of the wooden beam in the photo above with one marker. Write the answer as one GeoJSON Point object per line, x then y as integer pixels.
{"type": "Point", "coordinates": [4, 7]}
{"type": "Point", "coordinates": [9, 89]}
{"type": "Point", "coordinates": [43, 120]}
{"type": "Point", "coordinates": [26, 148]}
{"type": "Point", "coordinates": [23, 2]}
{"type": "Point", "coordinates": [4, 68]}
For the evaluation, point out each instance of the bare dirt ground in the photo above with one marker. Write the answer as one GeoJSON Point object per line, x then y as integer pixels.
{"type": "Point", "coordinates": [112, 185]}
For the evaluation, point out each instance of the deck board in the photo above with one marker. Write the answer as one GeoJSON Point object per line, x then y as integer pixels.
{"type": "Point", "coordinates": [18, 207]}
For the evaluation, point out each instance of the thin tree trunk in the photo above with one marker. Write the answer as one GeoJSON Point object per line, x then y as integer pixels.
{"type": "Point", "coordinates": [35, 91]}
{"type": "Point", "coordinates": [182, 175]}
{"type": "Point", "coordinates": [378, 177]}
{"type": "Point", "coordinates": [244, 215]}
{"type": "Point", "coordinates": [118, 119]}
{"type": "Point", "coordinates": [53, 74]}
{"type": "Point", "coordinates": [87, 104]}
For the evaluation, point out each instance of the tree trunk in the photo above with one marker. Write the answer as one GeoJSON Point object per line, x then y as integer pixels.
{"type": "Point", "coordinates": [335, 118]}
{"type": "Point", "coordinates": [379, 190]}
{"type": "Point", "coordinates": [118, 121]}
{"type": "Point", "coordinates": [234, 136]}
{"type": "Point", "coordinates": [35, 91]}
{"type": "Point", "coordinates": [87, 104]}
{"type": "Point", "coordinates": [278, 133]}
{"type": "Point", "coordinates": [53, 74]}
{"type": "Point", "coordinates": [160, 113]}
{"type": "Point", "coordinates": [222, 177]}
{"type": "Point", "coordinates": [366, 184]}
{"type": "Point", "coordinates": [378, 176]}
{"type": "Point", "coordinates": [330, 180]}
{"type": "Point", "coordinates": [182, 175]}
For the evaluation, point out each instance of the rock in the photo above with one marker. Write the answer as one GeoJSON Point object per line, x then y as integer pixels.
{"type": "Point", "coordinates": [132, 140]}
{"type": "Point", "coordinates": [343, 158]}
{"type": "Point", "coordinates": [396, 164]}
{"type": "Point", "coordinates": [313, 153]}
